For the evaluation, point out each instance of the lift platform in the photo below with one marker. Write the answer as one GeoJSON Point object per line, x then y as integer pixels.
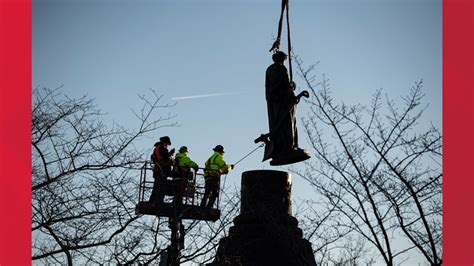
{"type": "Point", "coordinates": [187, 209]}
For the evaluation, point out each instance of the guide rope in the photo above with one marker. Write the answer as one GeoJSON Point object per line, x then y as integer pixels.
{"type": "Point", "coordinates": [225, 177]}
{"type": "Point", "coordinates": [261, 145]}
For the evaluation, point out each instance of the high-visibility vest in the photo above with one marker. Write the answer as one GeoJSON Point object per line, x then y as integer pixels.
{"type": "Point", "coordinates": [182, 160]}
{"type": "Point", "coordinates": [182, 165]}
{"type": "Point", "coordinates": [215, 166]}
{"type": "Point", "coordinates": [156, 155]}
{"type": "Point", "coordinates": [160, 162]}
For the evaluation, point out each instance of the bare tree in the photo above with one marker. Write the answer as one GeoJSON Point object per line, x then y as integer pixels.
{"type": "Point", "coordinates": [85, 186]}
{"type": "Point", "coordinates": [332, 244]}
{"type": "Point", "coordinates": [84, 182]}
{"type": "Point", "coordinates": [378, 172]}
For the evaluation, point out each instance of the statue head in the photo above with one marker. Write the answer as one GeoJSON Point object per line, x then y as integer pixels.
{"type": "Point", "coordinates": [279, 57]}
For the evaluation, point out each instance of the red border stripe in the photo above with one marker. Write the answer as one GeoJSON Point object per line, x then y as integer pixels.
{"type": "Point", "coordinates": [15, 132]}
{"type": "Point", "coordinates": [458, 132]}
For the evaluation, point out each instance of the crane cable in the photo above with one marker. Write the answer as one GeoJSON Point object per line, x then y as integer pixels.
{"type": "Point", "coordinates": [276, 45]}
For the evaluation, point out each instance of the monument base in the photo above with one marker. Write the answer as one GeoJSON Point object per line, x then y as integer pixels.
{"type": "Point", "coordinates": [289, 157]}
{"type": "Point", "coordinates": [265, 232]}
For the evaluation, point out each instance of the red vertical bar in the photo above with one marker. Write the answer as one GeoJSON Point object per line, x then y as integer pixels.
{"type": "Point", "coordinates": [15, 132]}
{"type": "Point", "coordinates": [458, 132]}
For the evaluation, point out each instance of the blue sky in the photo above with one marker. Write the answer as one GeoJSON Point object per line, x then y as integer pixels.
{"type": "Point", "coordinates": [114, 50]}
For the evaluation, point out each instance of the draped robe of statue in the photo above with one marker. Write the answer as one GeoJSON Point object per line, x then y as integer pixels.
{"type": "Point", "coordinates": [281, 107]}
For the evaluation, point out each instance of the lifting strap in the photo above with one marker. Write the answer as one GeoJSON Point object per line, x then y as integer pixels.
{"type": "Point", "coordinates": [276, 44]}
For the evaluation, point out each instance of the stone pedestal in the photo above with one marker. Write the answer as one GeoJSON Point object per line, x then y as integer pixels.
{"type": "Point", "coordinates": [265, 233]}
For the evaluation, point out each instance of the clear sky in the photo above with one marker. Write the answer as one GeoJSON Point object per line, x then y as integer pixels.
{"type": "Point", "coordinates": [114, 50]}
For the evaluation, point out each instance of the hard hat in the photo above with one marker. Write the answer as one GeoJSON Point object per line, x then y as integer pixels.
{"type": "Point", "coordinates": [219, 148]}
{"type": "Point", "coordinates": [166, 139]}
{"type": "Point", "coordinates": [279, 56]}
{"type": "Point", "coordinates": [183, 149]}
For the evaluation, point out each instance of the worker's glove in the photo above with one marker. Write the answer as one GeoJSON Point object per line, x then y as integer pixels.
{"type": "Point", "coordinates": [232, 166]}
{"type": "Point", "coordinates": [172, 151]}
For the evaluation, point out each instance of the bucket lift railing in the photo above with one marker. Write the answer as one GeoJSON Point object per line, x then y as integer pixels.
{"type": "Point", "coordinates": [176, 210]}
{"type": "Point", "coordinates": [194, 191]}
{"type": "Point", "coordinates": [200, 188]}
{"type": "Point", "coordinates": [144, 183]}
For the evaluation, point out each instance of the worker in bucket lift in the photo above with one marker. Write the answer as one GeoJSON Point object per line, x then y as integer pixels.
{"type": "Point", "coordinates": [215, 166]}
{"type": "Point", "coordinates": [182, 172]}
{"type": "Point", "coordinates": [163, 160]}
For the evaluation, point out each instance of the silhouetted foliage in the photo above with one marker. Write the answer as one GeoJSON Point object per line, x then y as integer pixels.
{"type": "Point", "coordinates": [85, 185]}
{"type": "Point", "coordinates": [377, 174]}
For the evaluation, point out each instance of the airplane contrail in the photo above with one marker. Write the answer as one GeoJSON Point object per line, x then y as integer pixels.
{"type": "Point", "coordinates": [204, 96]}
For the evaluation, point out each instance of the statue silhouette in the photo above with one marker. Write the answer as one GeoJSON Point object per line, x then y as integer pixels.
{"type": "Point", "coordinates": [282, 146]}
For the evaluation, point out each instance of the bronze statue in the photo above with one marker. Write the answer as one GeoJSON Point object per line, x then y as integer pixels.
{"type": "Point", "coordinates": [282, 141]}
